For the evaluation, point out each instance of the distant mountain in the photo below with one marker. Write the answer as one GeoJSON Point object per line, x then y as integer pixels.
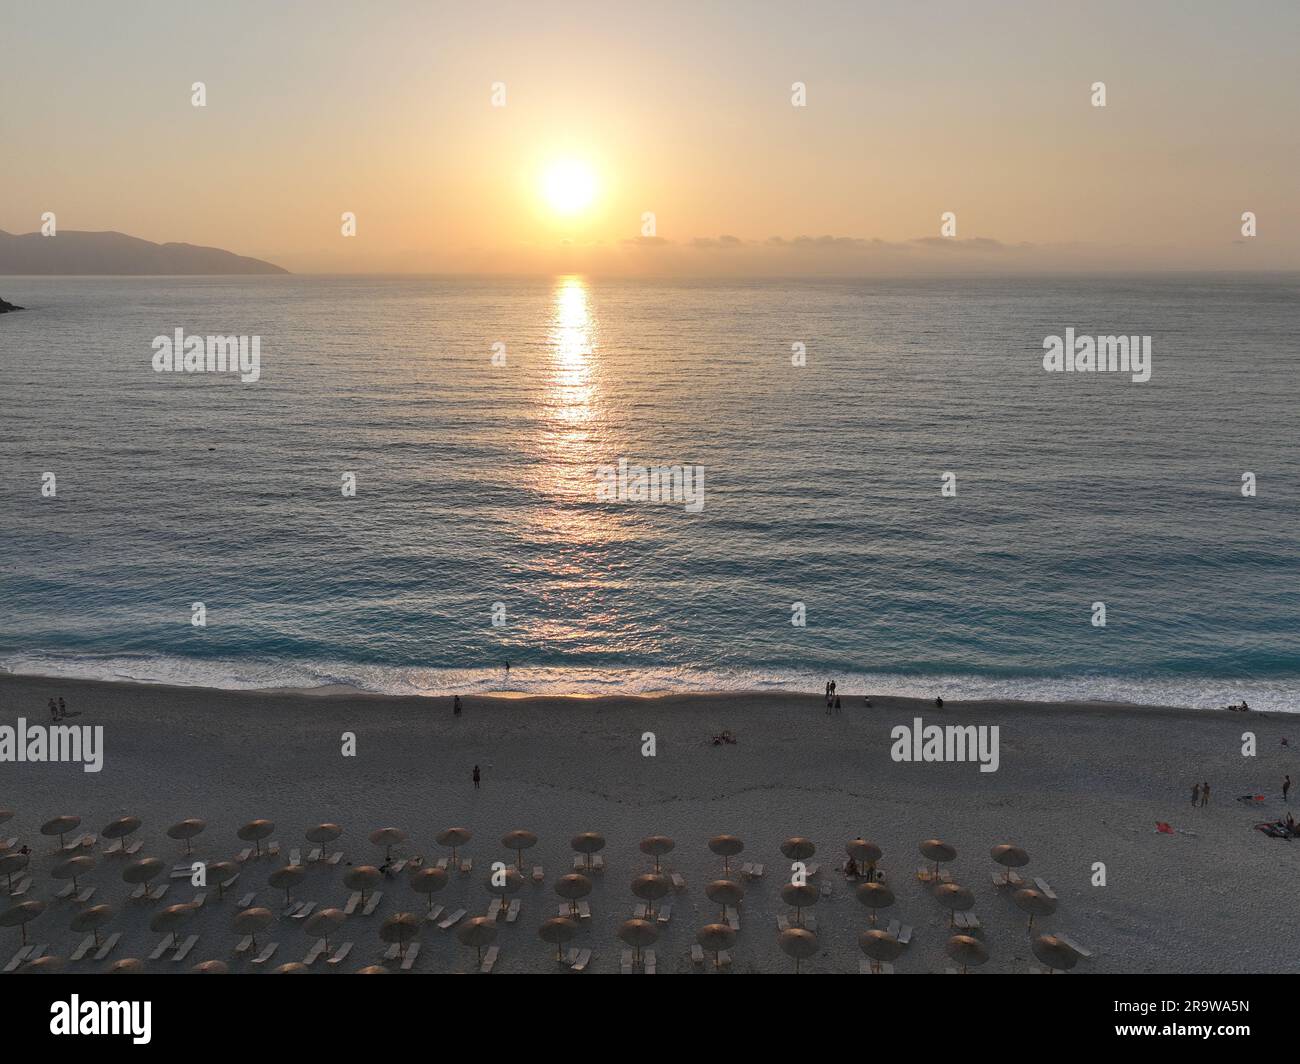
{"type": "Point", "coordinates": [72, 252]}
{"type": "Point", "coordinates": [6, 307]}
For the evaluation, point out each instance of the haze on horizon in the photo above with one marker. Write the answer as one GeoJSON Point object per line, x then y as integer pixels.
{"type": "Point", "coordinates": [386, 110]}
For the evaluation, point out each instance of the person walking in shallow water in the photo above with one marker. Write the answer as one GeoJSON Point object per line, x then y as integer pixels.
{"type": "Point", "coordinates": [476, 777]}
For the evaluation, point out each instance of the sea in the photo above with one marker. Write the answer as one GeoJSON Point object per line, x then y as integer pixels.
{"type": "Point", "coordinates": [894, 493]}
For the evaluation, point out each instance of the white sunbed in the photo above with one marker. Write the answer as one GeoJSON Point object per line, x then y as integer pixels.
{"type": "Point", "coordinates": [584, 910]}
{"type": "Point", "coordinates": [450, 921]}
{"type": "Point", "coordinates": [268, 951]}
{"type": "Point", "coordinates": [315, 953]}
{"type": "Point", "coordinates": [966, 921]}
{"type": "Point", "coordinates": [412, 951]}
{"type": "Point", "coordinates": [901, 931]}
{"type": "Point", "coordinates": [199, 899]}
{"type": "Point", "coordinates": [753, 871]}
{"type": "Point", "coordinates": [1042, 885]}
{"type": "Point", "coordinates": [334, 858]}
{"type": "Point", "coordinates": [489, 959]}
{"type": "Point", "coordinates": [649, 962]}
{"type": "Point", "coordinates": [245, 944]}
{"type": "Point", "coordinates": [340, 954]}
{"type": "Point", "coordinates": [732, 917]}
{"type": "Point", "coordinates": [19, 958]}
{"type": "Point", "coordinates": [1084, 953]}
{"type": "Point", "coordinates": [295, 856]}
{"type": "Point", "coordinates": [697, 954]}
{"type": "Point", "coordinates": [248, 899]}
{"type": "Point", "coordinates": [108, 945]}
{"type": "Point", "coordinates": [467, 866]}
{"type": "Point", "coordinates": [512, 914]}
{"type": "Point", "coordinates": [435, 914]}
{"type": "Point", "coordinates": [244, 854]}
{"type": "Point", "coordinates": [373, 903]}
{"type": "Point", "coordinates": [183, 950]}
{"type": "Point", "coordinates": [353, 901]}
{"type": "Point", "coordinates": [87, 944]}
{"type": "Point", "coordinates": [679, 883]}
{"type": "Point", "coordinates": [665, 912]}
{"type": "Point", "coordinates": [442, 863]}
{"type": "Point", "coordinates": [305, 911]}
{"type": "Point", "coordinates": [398, 867]}
{"type": "Point", "coordinates": [578, 959]}
{"type": "Point", "coordinates": [21, 887]}
{"type": "Point", "coordinates": [162, 947]}
{"type": "Point", "coordinates": [314, 855]}
{"type": "Point", "coordinates": [625, 964]}
{"type": "Point", "coordinates": [539, 874]}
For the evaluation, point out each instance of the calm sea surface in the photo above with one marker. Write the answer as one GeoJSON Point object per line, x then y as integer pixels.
{"type": "Point", "coordinates": [476, 486]}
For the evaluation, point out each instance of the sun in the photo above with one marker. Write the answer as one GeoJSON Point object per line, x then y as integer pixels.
{"type": "Point", "coordinates": [568, 186]}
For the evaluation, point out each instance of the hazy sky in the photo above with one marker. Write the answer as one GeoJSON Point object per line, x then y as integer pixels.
{"type": "Point", "coordinates": [384, 108]}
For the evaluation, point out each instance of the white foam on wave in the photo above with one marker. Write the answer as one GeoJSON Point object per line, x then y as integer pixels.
{"type": "Point", "coordinates": [1203, 693]}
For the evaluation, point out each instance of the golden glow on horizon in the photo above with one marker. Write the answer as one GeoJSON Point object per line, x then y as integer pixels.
{"type": "Point", "coordinates": [569, 187]}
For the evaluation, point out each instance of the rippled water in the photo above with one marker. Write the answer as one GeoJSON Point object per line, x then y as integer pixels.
{"type": "Point", "coordinates": [476, 486]}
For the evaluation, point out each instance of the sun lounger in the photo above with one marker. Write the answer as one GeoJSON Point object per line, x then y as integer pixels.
{"type": "Point", "coordinates": [810, 870]}
{"type": "Point", "coordinates": [584, 910]}
{"type": "Point", "coordinates": [665, 912]}
{"type": "Point", "coordinates": [248, 899]}
{"type": "Point", "coordinates": [181, 871]}
{"type": "Point", "coordinates": [579, 959]}
{"type": "Point", "coordinates": [966, 921]}
{"type": "Point", "coordinates": [649, 961]}
{"type": "Point", "coordinates": [244, 854]}
{"type": "Point", "coordinates": [353, 901]}
{"type": "Point", "coordinates": [183, 950]}
{"type": "Point", "coordinates": [625, 964]}
{"type": "Point", "coordinates": [539, 874]}
{"type": "Point", "coordinates": [901, 931]}
{"type": "Point", "coordinates": [512, 914]}
{"type": "Point", "coordinates": [724, 958]}
{"type": "Point", "coordinates": [335, 857]}
{"type": "Point", "coordinates": [199, 898]}
{"type": "Point", "coordinates": [373, 903]}
{"type": "Point", "coordinates": [87, 944]}
{"type": "Point", "coordinates": [295, 856]}
{"type": "Point", "coordinates": [340, 954]}
{"type": "Point", "coordinates": [1041, 884]}
{"type": "Point", "coordinates": [84, 895]}
{"type": "Point", "coordinates": [753, 871]}
{"type": "Point", "coordinates": [314, 855]}
{"type": "Point", "coordinates": [268, 951]}
{"type": "Point", "coordinates": [1084, 953]}
{"type": "Point", "coordinates": [448, 922]}
{"type": "Point", "coordinates": [291, 908]}
{"type": "Point", "coordinates": [732, 917]}
{"type": "Point", "coordinates": [9, 843]}
{"type": "Point", "coordinates": [679, 883]}
{"type": "Point", "coordinates": [108, 945]}
{"type": "Point", "coordinates": [305, 911]}
{"type": "Point", "coordinates": [639, 910]}
{"type": "Point", "coordinates": [435, 914]}
{"type": "Point", "coordinates": [19, 958]}
{"type": "Point", "coordinates": [393, 952]}
{"type": "Point", "coordinates": [397, 868]}
{"type": "Point", "coordinates": [412, 951]}
{"type": "Point", "coordinates": [467, 866]}
{"type": "Point", "coordinates": [598, 862]}
{"type": "Point", "coordinates": [21, 887]}
{"type": "Point", "coordinates": [146, 893]}
{"type": "Point", "coordinates": [162, 948]}
{"type": "Point", "coordinates": [272, 849]}
{"type": "Point", "coordinates": [1009, 879]}
{"type": "Point", "coordinates": [245, 944]}
{"type": "Point", "coordinates": [697, 954]}
{"type": "Point", "coordinates": [315, 953]}
{"type": "Point", "coordinates": [489, 959]}
{"type": "Point", "coordinates": [442, 863]}
{"type": "Point", "coordinates": [134, 848]}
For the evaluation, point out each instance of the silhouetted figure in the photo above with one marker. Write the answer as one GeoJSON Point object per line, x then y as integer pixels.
{"type": "Point", "coordinates": [455, 706]}
{"type": "Point", "coordinates": [476, 777]}
{"type": "Point", "coordinates": [1286, 789]}
{"type": "Point", "coordinates": [1205, 794]}
{"type": "Point", "coordinates": [63, 709]}
{"type": "Point", "coordinates": [1196, 794]}
{"type": "Point", "coordinates": [938, 703]}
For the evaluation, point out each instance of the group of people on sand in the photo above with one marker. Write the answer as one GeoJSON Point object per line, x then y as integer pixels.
{"type": "Point", "coordinates": [58, 710]}
{"type": "Point", "coordinates": [1243, 708]}
{"type": "Point", "coordinates": [832, 699]}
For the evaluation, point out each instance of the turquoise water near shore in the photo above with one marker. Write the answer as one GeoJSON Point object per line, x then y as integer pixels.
{"type": "Point", "coordinates": [476, 486]}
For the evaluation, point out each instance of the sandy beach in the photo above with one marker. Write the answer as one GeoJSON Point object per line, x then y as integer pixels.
{"type": "Point", "coordinates": [1075, 785]}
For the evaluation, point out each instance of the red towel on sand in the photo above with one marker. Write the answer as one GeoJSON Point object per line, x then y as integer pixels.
{"type": "Point", "coordinates": [1164, 828]}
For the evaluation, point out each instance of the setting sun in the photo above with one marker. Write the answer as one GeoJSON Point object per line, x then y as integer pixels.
{"type": "Point", "coordinates": [568, 186]}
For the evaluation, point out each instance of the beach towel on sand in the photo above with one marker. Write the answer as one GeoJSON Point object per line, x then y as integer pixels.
{"type": "Point", "coordinates": [1163, 828]}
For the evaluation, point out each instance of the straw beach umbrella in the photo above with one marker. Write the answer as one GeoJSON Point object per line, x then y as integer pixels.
{"type": "Point", "coordinates": [255, 831]}
{"type": "Point", "coordinates": [503, 883]}
{"type": "Point", "coordinates": [60, 826]}
{"type": "Point", "coordinates": [726, 892]}
{"type": "Point", "coordinates": [428, 881]}
{"type": "Point", "coordinates": [800, 896]}
{"type": "Point", "coordinates": [1054, 953]}
{"type": "Point", "coordinates": [798, 943]}
{"type": "Point", "coordinates": [324, 922]}
{"type": "Point", "coordinates": [726, 847]}
{"type": "Point", "coordinates": [880, 946]}
{"type": "Point", "coordinates": [292, 968]}
{"type": "Point", "coordinates": [170, 919]}
{"type": "Point", "coordinates": [650, 888]}
{"type": "Point", "coordinates": [119, 830]}
{"type": "Point", "coordinates": [21, 915]}
{"type": "Point", "coordinates": [250, 921]}
{"type": "Point", "coordinates": [966, 951]}
{"type": "Point", "coordinates": [141, 872]}
{"type": "Point", "coordinates": [285, 878]}
{"type": "Point", "coordinates": [127, 966]}
{"type": "Point", "coordinates": [187, 830]}
{"type": "Point", "coordinates": [715, 938]}
{"type": "Point", "coordinates": [798, 848]}
{"type": "Point", "coordinates": [955, 899]}
{"type": "Point", "coordinates": [939, 852]}
{"type": "Point", "coordinates": [558, 930]}
{"type": "Point", "coordinates": [43, 966]}
{"type": "Point", "coordinates": [1009, 857]}
{"type": "Point", "coordinates": [571, 888]}
{"type": "Point", "coordinates": [11, 863]}
{"type": "Point", "coordinates": [656, 846]}
{"type": "Point", "coordinates": [519, 840]}
{"type": "Point", "coordinates": [373, 969]}
{"type": "Point", "coordinates": [400, 928]}
{"type": "Point", "coordinates": [211, 968]}
{"type": "Point", "coordinates": [388, 838]}
{"type": "Point", "coordinates": [588, 843]}
{"type": "Point", "coordinates": [875, 896]}
{"type": "Point", "coordinates": [478, 932]}
{"type": "Point", "coordinates": [455, 838]}
{"type": "Point", "coordinates": [322, 835]}
{"type": "Point", "coordinates": [223, 874]}
{"type": "Point", "coordinates": [91, 919]}
{"type": "Point", "coordinates": [1033, 902]}
{"type": "Point", "coordinates": [638, 934]}
{"type": "Point", "coordinates": [73, 867]}
{"type": "Point", "coordinates": [362, 878]}
{"type": "Point", "coordinates": [865, 853]}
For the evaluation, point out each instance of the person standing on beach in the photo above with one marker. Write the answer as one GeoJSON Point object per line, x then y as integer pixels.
{"type": "Point", "coordinates": [455, 706]}
{"type": "Point", "coordinates": [54, 710]}
{"type": "Point", "coordinates": [1286, 788]}
{"type": "Point", "coordinates": [476, 777]}
{"type": "Point", "coordinates": [1196, 795]}
{"type": "Point", "coordinates": [1205, 794]}
{"type": "Point", "coordinates": [63, 708]}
